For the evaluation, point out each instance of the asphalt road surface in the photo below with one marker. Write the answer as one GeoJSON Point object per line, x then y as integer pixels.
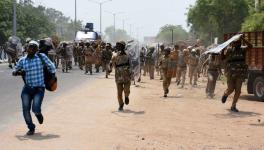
{"type": "Point", "coordinates": [10, 90]}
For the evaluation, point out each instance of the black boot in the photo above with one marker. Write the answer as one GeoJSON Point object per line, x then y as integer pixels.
{"type": "Point", "coordinates": [31, 132]}
{"type": "Point", "coordinates": [224, 98]}
{"type": "Point", "coordinates": [121, 107]}
{"type": "Point", "coordinates": [234, 109]}
{"type": "Point", "coordinates": [126, 100]}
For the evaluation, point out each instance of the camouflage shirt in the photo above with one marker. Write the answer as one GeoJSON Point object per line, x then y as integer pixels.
{"type": "Point", "coordinates": [106, 56]}
{"type": "Point", "coordinates": [121, 63]}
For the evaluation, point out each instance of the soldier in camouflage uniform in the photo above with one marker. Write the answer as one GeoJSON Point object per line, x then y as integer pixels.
{"type": "Point", "coordinates": [121, 62]}
{"type": "Point", "coordinates": [182, 66]}
{"type": "Point", "coordinates": [160, 56]}
{"type": "Point", "coordinates": [64, 51]}
{"type": "Point", "coordinates": [193, 66]}
{"type": "Point", "coordinates": [236, 70]}
{"type": "Point", "coordinates": [89, 58]}
{"type": "Point", "coordinates": [142, 63]}
{"type": "Point", "coordinates": [75, 53]}
{"type": "Point", "coordinates": [167, 69]}
{"type": "Point", "coordinates": [150, 62]}
{"type": "Point", "coordinates": [106, 58]}
{"type": "Point", "coordinates": [174, 59]}
{"type": "Point", "coordinates": [98, 56]}
{"type": "Point", "coordinates": [214, 68]}
{"type": "Point", "coordinates": [80, 53]}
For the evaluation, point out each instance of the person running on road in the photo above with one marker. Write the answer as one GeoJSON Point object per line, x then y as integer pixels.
{"type": "Point", "coordinates": [31, 68]}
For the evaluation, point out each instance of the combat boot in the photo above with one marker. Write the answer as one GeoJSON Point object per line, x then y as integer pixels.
{"type": "Point", "coordinates": [234, 109]}
{"type": "Point", "coordinates": [121, 107]}
{"type": "Point", "coordinates": [126, 100]}
{"type": "Point", "coordinates": [224, 98]}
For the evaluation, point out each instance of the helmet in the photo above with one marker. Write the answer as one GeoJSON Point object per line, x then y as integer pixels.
{"type": "Point", "coordinates": [28, 40]}
{"type": "Point", "coordinates": [35, 43]}
{"type": "Point", "coordinates": [123, 43]}
{"type": "Point", "coordinates": [193, 51]}
{"type": "Point", "coordinates": [167, 50]}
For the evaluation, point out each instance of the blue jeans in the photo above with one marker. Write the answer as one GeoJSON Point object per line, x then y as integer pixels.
{"type": "Point", "coordinates": [29, 95]}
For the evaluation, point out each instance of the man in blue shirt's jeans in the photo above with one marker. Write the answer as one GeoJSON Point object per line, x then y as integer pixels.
{"type": "Point", "coordinates": [31, 68]}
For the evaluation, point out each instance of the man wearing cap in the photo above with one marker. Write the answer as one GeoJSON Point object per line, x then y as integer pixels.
{"type": "Point", "coordinates": [89, 58]}
{"type": "Point", "coordinates": [122, 65]}
{"type": "Point", "coordinates": [31, 68]}
{"type": "Point", "coordinates": [193, 62]}
{"type": "Point", "coordinates": [214, 68]}
{"type": "Point", "coordinates": [167, 69]}
{"type": "Point", "coordinates": [150, 62]}
{"type": "Point", "coordinates": [160, 56]}
{"type": "Point", "coordinates": [182, 66]}
{"type": "Point", "coordinates": [106, 58]}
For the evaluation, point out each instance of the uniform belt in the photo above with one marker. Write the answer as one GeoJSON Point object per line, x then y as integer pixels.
{"type": "Point", "coordinates": [212, 70]}
{"type": "Point", "coordinates": [121, 65]}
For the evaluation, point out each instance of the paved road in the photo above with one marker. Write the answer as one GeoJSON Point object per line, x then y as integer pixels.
{"type": "Point", "coordinates": [10, 90]}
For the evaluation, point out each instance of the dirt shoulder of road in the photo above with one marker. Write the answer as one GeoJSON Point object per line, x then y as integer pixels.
{"type": "Point", "coordinates": [86, 118]}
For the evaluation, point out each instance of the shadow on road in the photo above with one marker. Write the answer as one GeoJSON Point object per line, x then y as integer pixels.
{"type": "Point", "coordinates": [250, 98]}
{"type": "Point", "coordinates": [258, 125]}
{"type": "Point", "coordinates": [128, 111]}
{"type": "Point", "coordinates": [240, 114]}
{"type": "Point", "coordinates": [37, 137]}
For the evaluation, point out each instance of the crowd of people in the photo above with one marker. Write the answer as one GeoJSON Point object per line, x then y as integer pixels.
{"type": "Point", "coordinates": [175, 62]}
{"type": "Point", "coordinates": [167, 61]}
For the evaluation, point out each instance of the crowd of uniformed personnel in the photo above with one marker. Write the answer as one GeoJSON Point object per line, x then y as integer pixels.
{"type": "Point", "coordinates": [169, 62]}
{"type": "Point", "coordinates": [177, 61]}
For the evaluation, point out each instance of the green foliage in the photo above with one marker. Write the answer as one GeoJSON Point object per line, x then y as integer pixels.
{"type": "Point", "coordinates": [35, 22]}
{"type": "Point", "coordinates": [215, 17]}
{"type": "Point", "coordinates": [120, 35]}
{"type": "Point", "coordinates": [254, 22]}
{"type": "Point", "coordinates": [165, 34]}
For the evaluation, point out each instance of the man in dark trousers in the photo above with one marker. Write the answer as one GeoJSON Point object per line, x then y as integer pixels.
{"type": "Point", "coordinates": [31, 68]}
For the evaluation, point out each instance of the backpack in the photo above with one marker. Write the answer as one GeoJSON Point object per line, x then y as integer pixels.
{"type": "Point", "coordinates": [50, 79]}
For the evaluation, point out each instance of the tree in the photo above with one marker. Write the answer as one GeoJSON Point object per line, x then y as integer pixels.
{"type": "Point", "coordinates": [5, 20]}
{"type": "Point", "coordinates": [118, 35]}
{"type": "Point", "coordinates": [213, 18]}
{"type": "Point", "coordinates": [255, 21]}
{"type": "Point", "coordinates": [165, 34]}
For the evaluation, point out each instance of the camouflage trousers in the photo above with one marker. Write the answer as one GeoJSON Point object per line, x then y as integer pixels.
{"type": "Point", "coordinates": [122, 88]}
{"type": "Point", "coordinates": [211, 82]}
{"type": "Point", "coordinates": [65, 62]}
{"type": "Point", "coordinates": [193, 74]}
{"type": "Point", "coordinates": [151, 69]}
{"type": "Point", "coordinates": [81, 62]}
{"type": "Point", "coordinates": [106, 68]}
{"type": "Point", "coordinates": [166, 81]}
{"type": "Point", "coordinates": [89, 68]}
{"type": "Point", "coordinates": [181, 74]}
{"type": "Point", "coordinates": [234, 84]}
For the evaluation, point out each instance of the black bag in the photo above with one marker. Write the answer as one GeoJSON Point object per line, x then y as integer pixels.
{"type": "Point", "coordinates": [50, 79]}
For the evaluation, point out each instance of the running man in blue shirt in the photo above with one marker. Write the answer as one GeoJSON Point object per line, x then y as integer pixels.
{"type": "Point", "coordinates": [31, 68]}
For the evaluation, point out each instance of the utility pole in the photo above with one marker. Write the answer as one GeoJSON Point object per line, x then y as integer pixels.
{"type": "Point", "coordinates": [172, 38]}
{"type": "Point", "coordinates": [101, 7]}
{"type": "Point", "coordinates": [123, 24]}
{"type": "Point", "coordinates": [14, 18]}
{"type": "Point", "coordinates": [114, 15]}
{"type": "Point", "coordinates": [114, 28]}
{"type": "Point", "coordinates": [75, 19]}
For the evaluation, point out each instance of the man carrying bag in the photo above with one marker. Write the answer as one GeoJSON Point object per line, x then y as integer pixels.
{"type": "Point", "coordinates": [38, 73]}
